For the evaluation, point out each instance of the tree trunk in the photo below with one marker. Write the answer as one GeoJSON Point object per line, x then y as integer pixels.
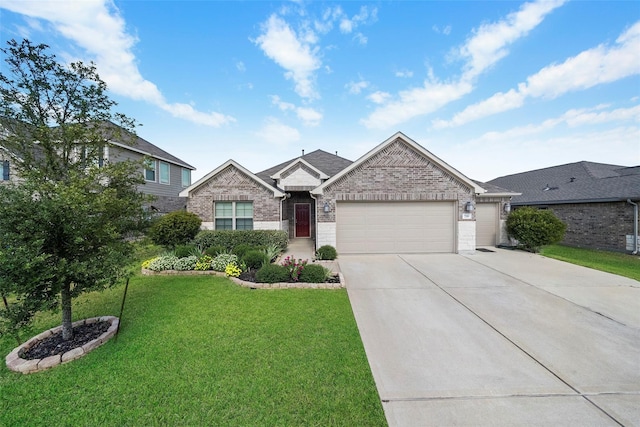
{"type": "Point", "coordinates": [67, 329]}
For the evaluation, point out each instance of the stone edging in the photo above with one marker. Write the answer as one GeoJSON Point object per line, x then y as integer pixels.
{"type": "Point", "coordinates": [16, 363]}
{"type": "Point", "coordinates": [252, 285]}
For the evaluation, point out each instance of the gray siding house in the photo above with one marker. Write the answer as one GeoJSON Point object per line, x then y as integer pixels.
{"type": "Point", "coordinates": [165, 174]}
{"type": "Point", "coordinates": [398, 198]}
{"type": "Point", "coordinates": [597, 201]}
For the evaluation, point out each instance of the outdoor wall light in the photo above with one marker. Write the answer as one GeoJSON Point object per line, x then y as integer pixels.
{"type": "Point", "coordinates": [326, 208]}
{"type": "Point", "coordinates": [507, 207]}
{"type": "Point", "coordinates": [468, 207]}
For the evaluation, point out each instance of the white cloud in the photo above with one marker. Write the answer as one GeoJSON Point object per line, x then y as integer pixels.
{"type": "Point", "coordinates": [361, 39]}
{"type": "Point", "coordinates": [309, 116]}
{"type": "Point", "coordinates": [599, 65]}
{"type": "Point", "coordinates": [298, 57]}
{"type": "Point", "coordinates": [404, 73]}
{"type": "Point", "coordinates": [356, 87]}
{"type": "Point", "coordinates": [241, 67]}
{"type": "Point", "coordinates": [365, 16]}
{"type": "Point", "coordinates": [484, 48]}
{"type": "Point", "coordinates": [277, 133]}
{"type": "Point", "coordinates": [446, 30]}
{"type": "Point", "coordinates": [488, 43]}
{"type": "Point", "coordinates": [379, 97]}
{"type": "Point", "coordinates": [97, 27]}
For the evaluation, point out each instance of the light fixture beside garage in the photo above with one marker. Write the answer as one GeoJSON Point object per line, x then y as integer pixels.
{"type": "Point", "coordinates": [326, 208]}
{"type": "Point", "coordinates": [468, 207]}
{"type": "Point", "coordinates": [507, 207]}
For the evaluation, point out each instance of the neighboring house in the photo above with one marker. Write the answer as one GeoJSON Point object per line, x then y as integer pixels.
{"type": "Point", "coordinates": [398, 198]}
{"type": "Point", "coordinates": [165, 175]}
{"type": "Point", "coordinates": [591, 198]}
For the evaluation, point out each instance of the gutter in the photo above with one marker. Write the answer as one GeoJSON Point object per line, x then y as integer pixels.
{"type": "Point", "coordinates": [635, 226]}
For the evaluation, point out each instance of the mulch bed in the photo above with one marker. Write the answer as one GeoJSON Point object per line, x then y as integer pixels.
{"type": "Point", "coordinates": [54, 344]}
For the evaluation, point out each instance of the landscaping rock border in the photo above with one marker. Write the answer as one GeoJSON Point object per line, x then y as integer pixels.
{"type": "Point", "coordinates": [252, 285]}
{"type": "Point", "coordinates": [16, 363]}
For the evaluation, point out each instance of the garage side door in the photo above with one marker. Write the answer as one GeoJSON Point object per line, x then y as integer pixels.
{"type": "Point", "coordinates": [395, 227]}
{"type": "Point", "coordinates": [486, 224]}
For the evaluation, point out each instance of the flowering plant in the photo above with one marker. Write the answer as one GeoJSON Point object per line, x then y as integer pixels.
{"type": "Point", "coordinates": [203, 263]}
{"type": "Point", "coordinates": [232, 270]}
{"type": "Point", "coordinates": [294, 266]}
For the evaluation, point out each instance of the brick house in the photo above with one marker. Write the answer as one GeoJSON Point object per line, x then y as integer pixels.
{"type": "Point", "coordinates": [397, 198]}
{"type": "Point", "coordinates": [591, 198]}
{"type": "Point", "coordinates": [165, 174]}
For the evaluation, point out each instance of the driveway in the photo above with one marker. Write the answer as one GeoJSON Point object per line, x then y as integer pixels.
{"type": "Point", "coordinates": [501, 338]}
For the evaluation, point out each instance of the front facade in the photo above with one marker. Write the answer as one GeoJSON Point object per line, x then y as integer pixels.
{"type": "Point", "coordinates": [398, 198]}
{"type": "Point", "coordinates": [598, 202]}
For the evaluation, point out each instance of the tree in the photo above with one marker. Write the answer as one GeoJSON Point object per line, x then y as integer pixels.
{"type": "Point", "coordinates": [534, 228]}
{"type": "Point", "coordinates": [64, 225]}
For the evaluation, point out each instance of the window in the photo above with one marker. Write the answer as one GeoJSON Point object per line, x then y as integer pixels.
{"type": "Point", "coordinates": [234, 215]}
{"type": "Point", "coordinates": [150, 170]}
{"type": "Point", "coordinates": [4, 168]}
{"type": "Point", "coordinates": [164, 172]}
{"type": "Point", "coordinates": [186, 177]}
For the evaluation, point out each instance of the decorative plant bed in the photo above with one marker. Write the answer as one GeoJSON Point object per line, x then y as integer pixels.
{"type": "Point", "coordinates": [337, 284]}
{"type": "Point", "coordinates": [46, 350]}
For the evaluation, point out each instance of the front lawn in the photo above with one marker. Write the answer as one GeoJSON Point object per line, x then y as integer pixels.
{"type": "Point", "coordinates": [611, 262]}
{"type": "Point", "coordinates": [202, 351]}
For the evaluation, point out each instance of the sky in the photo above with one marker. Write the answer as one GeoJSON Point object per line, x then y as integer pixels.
{"type": "Point", "coordinates": [490, 87]}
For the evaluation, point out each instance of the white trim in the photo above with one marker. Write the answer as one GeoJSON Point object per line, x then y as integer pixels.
{"type": "Point", "coordinates": [160, 173]}
{"type": "Point", "coordinates": [266, 225]}
{"type": "Point", "coordinates": [146, 153]}
{"type": "Point", "coordinates": [204, 179]}
{"type": "Point", "coordinates": [426, 153]}
{"type": "Point", "coordinates": [295, 162]}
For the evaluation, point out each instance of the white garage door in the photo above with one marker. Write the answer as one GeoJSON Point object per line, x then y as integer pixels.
{"type": "Point", "coordinates": [486, 224]}
{"type": "Point", "coordinates": [395, 227]}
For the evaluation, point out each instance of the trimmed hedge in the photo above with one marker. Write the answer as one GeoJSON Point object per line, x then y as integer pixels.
{"type": "Point", "coordinates": [326, 252]}
{"type": "Point", "coordinates": [229, 239]}
{"type": "Point", "coordinates": [534, 228]}
{"type": "Point", "coordinates": [313, 273]}
{"type": "Point", "coordinates": [272, 273]}
{"type": "Point", "coordinates": [174, 228]}
{"type": "Point", "coordinates": [254, 259]}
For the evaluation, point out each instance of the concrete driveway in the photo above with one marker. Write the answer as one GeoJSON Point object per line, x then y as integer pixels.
{"type": "Point", "coordinates": [503, 338]}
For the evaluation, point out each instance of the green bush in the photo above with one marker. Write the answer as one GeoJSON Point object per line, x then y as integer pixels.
{"type": "Point", "coordinates": [326, 252]}
{"type": "Point", "coordinates": [162, 263]}
{"type": "Point", "coordinates": [313, 273]}
{"type": "Point", "coordinates": [243, 248]}
{"type": "Point", "coordinates": [186, 263]}
{"type": "Point", "coordinates": [272, 273]}
{"type": "Point", "coordinates": [229, 239]}
{"type": "Point", "coordinates": [220, 262]}
{"type": "Point", "coordinates": [183, 251]}
{"type": "Point", "coordinates": [254, 259]}
{"type": "Point", "coordinates": [534, 228]}
{"type": "Point", "coordinates": [175, 228]}
{"type": "Point", "coordinates": [214, 251]}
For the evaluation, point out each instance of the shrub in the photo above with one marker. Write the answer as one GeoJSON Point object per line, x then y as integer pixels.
{"type": "Point", "coordinates": [145, 264]}
{"type": "Point", "coordinates": [220, 262]}
{"type": "Point", "coordinates": [175, 228]}
{"type": "Point", "coordinates": [162, 263]}
{"type": "Point", "coordinates": [534, 228]}
{"type": "Point", "coordinates": [243, 248]}
{"type": "Point", "coordinates": [272, 251]}
{"type": "Point", "coordinates": [272, 273]}
{"type": "Point", "coordinates": [203, 263]}
{"type": "Point", "coordinates": [255, 259]}
{"type": "Point", "coordinates": [229, 239]}
{"type": "Point", "coordinates": [314, 273]}
{"type": "Point", "coordinates": [186, 263]}
{"type": "Point", "coordinates": [214, 251]}
{"type": "Point", "coordinates": [326, 252]}
{"type": "Point", "coordinates": [232, 270]}
{"type": "Point", "coordinates": [294, 267]}
{"type": "Point", "coordinates": [183, 251]}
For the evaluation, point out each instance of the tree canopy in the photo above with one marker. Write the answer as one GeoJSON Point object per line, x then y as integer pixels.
{"type": "Point", "coordinates": [66, 216]}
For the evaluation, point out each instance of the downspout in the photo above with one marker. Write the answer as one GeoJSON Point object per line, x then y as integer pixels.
{"type": "Point", "coordinates": [315, 238]}
{"type": "Point", "coordinates": [285, 197]}
{"type": "Point", "coordinates": [635, 226]}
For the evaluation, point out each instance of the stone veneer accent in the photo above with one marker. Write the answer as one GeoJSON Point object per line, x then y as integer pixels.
{"type": "Point", "coordinates": [16, 363]}
{"type": "Point", "coordinates": [231, 184]}
{"type": "Point", "coordinates": [466, 237]}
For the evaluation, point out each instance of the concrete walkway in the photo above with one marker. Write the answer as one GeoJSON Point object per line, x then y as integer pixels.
{"type": "Point", "coordinates": [502, 338]}
{"type": "Point", "coordinates": [304, 249]}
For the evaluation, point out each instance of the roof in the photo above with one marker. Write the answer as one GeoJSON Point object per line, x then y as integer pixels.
{"type": "Point", "coordinates": [580, 182]}
{"type": "Point", "coordinates": [420, 149]}
{"type": "Point", "coordinates": [328, 163]}
{"type": "Point", "coordinates": [495, 191]}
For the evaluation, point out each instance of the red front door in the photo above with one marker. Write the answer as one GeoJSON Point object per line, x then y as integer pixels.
{"type": "Point", "coordinates": [302, 219]}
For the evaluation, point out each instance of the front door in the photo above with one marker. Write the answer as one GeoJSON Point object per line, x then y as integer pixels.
{"type": "Point", "coordinates": [302, 219]}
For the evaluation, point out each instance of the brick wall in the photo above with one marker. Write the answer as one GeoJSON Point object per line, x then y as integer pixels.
{"type": "Point", "coordinates": [232, 184]}
{"type": "Point", "coordinates": [596, 225]}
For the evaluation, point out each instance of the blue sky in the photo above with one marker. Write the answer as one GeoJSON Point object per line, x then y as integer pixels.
{"type": "Point", "coordinates": [491, 87]}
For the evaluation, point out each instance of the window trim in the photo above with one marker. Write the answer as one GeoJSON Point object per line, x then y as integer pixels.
{"type": "Point", "coordinates": [188, 171]}
{"type": "Point", "coordinates": [150, 166]}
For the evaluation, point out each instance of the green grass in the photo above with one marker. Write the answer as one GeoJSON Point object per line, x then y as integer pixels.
{"type": "Point", "coordinates": [611, 262]}
{"type": "Point", "coordinates": [203, 351]}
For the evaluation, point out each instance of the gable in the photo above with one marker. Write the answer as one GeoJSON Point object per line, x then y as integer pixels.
{"type": "Point", "coordinates": [231, 183]}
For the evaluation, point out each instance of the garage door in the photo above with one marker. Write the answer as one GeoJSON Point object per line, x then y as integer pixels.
{"type": "Point", "coordinates": [395, 227]}
{"type": "Point", "coordinates": [486, 224]}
